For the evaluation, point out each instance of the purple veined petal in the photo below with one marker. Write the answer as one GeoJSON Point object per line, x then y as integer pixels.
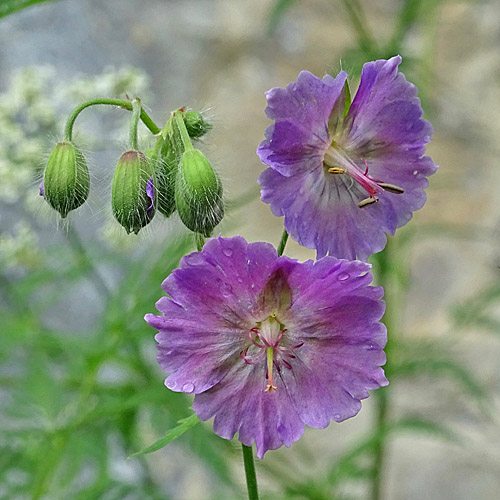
{"type": "Point", "coordinates": [242, 329]}
{"type": "Point", "coordinates": [367, 175]}
{"type": "Point", "coordinates": [298, 140]}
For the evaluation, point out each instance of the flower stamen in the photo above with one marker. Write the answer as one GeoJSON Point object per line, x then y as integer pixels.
{"type": "Point", "coordinates": [336, 170]}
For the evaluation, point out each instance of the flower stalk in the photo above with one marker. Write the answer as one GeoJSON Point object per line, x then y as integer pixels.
{"type": "Point", "coordinates": [122, 103]}
{"type": "Point", "coordinates": [134, 123]}
{"type": "Point", "coordinates": [250, 474]}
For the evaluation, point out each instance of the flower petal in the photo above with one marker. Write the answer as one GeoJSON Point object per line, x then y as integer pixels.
{"type": "Point", "coordinates": [240, 404]}
{"type": "Point", "coordinates": [299, 138]}
{"type": "Point", "coordinates": [322, 213]}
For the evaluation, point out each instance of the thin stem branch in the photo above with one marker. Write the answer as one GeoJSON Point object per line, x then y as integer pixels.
{"type": "Point", "coordinates": [134, 123]}
{"type": "Point", "coordinates": [181, 126]}
{"type": "Point", "coordinates": [121, 103]}
{"type": "Point", "coordinates": [253, 494]}
{"type": "Point", "coordinates": [366, 41]}
{"type": "Point", "coordinates": [281, 246]}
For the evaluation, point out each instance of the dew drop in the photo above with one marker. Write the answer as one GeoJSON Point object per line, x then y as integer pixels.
{"type": "Point", "coordinates": [343, 277]}
{"type": "Point", "coordinates": [171, 384]}
{"type": "Point", "coordinates": [227, 252]}
{"type": "Point", "coordinates": [240, 280]}
{"type": "Point", "coordinates": [415, 172]}
{"type": "Point", "coordinates": [336, 416]}
{"type": "Point", "coordinates": [188, 387]}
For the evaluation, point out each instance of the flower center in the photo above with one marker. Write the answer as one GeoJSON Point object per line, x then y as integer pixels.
{"type": "Point", "coordinates": [338, 162]}
{"type": "Point", "coordinates": [265, 342]}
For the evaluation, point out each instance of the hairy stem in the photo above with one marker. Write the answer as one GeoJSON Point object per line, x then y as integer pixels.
{"type": "Point", "coordinates": [121, 103]}
{"type": "Point", "coordinates": [134, 123]}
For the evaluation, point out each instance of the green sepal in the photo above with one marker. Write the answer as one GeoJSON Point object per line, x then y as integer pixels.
{"type": "Point", "coordinates": [167, 165]}
{"type": "Point", "coordinates": [132, 207]}
{"type": "Point", "coordinates": [66, 180]}
{"type": "Point", "coordinates": [198, 193]}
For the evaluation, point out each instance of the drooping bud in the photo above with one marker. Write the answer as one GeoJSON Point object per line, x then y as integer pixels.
{"type": "Point", "coordinates": [66, 180]}
{"type": "Point", "coordinates": [133, 191]}
{"type": "Point", "coordinates": [167, 165]}
{"type": "Point", "coordinates": [196, 125]}
{"type": "Point", "coordinates": [198, 193]}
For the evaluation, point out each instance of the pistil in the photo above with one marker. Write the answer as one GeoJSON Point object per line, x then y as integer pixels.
{"type": "Point", "coordinates": [270, 361]}
{"type": "Point", "coordinates": [335, 156]}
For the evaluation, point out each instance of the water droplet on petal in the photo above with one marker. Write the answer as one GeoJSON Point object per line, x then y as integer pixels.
{"type": "Point", "coordinates": [171, 384]}
{"type": "Point", "coordinates": [188, 387]}
{"type": "Point", "coordinates": [415, 172]}
{"type": "Point", "coordinates": [240, 280]}
{"type": "Point", "coordinates": [336, 416]}
{"type": "Point", "coordinates": [227, 252]}
{"type": "Point", "coordinates": [343, 277]}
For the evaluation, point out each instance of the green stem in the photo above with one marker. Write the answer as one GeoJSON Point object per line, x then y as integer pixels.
{"type": "Point", "coordinates": [366, 41]}
{"type": "Point", "coordinates": [200, 241]}
{"type": "Point", "coordinates": [250, 472]}
{"type": "Point", "coordinates": [122, 103]}
{"type": "Point", "coordinates": [281, 246]}
{"type": "Point", "coordinates": [386, 265]}
{"type": "Point", "coordinates": [186, 140]}
{"type": "Point", "coordinates": [134, 123]}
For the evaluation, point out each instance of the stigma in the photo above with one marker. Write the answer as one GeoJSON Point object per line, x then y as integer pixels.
{"type": "Point", "coordinates": [337, 162]}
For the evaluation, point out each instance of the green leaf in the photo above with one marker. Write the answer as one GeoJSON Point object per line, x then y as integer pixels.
{"type": "Point", "coordinates": [10, 6]}
{"type": "Point", "coordinates": [184, 425]}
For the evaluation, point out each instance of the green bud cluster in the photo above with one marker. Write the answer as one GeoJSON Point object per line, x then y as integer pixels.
{"type": "Point", "coordinates": [174, 176]}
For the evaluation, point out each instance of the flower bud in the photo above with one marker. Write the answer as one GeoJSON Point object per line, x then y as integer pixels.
{"type": "Point", "coordinates": [198, 193]}
{"type": "Point", "coordinates": [133, 191]}
{"type": "Point", "coordinates": [196, 125]}
{"type": "Point", "coordinates": [167, 165]}
{"type": "Point", "coordinates": [66, 180]}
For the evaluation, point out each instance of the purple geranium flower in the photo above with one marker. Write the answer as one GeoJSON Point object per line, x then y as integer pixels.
{"type": "Point", "coordinates": [269, 344]}
{"type": "Point", "coordinates": [342, 182]}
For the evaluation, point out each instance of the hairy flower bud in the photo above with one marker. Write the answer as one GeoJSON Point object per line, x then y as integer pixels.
{"type": "Point", "coordinates": [133, 191]}
{"type": "Point", "coordinates": [196, 125]}
{"type": "Point", "coordinates": [167, 164]}
{"type": "Point", "coordinates": [66, 180]}
{"type": "Point", "coordinates": [198, 193]}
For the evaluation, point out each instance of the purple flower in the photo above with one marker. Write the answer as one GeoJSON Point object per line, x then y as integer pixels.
{"type": "Point", "coordinates": [268, 344]}
{"type": "Point", "coordinates": [342, 182]}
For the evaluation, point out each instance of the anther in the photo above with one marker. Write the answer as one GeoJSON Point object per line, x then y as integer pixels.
{"type": "Point", "coordinates": [391, 188]}
{"type": "Point", "coordinates": [336, 170]}
{"type": "Point", "coordinates": [367, 201]}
